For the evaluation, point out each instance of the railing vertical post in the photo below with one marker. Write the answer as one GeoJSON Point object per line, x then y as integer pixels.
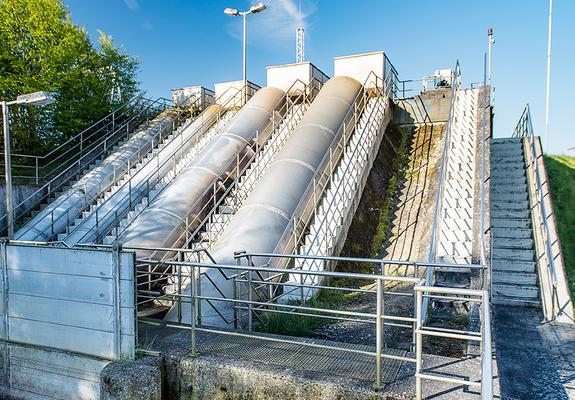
{"type": "Point", "coordinates": [249, 301]}
{"type": "Point", "coordinates": [379, 339]}
{"type": "Point", "coordinates": [237, 322]}
{"type": "Point", "coordinates": [193, 284]}
{"type": "Point", "coordinates": [180, 259]}
{"type": "Point", "coordinates": [418, 345]}
{"type": "Point", "coordinates": [37, 172]}
{"type": "Point", "coordinates": [199, 291]}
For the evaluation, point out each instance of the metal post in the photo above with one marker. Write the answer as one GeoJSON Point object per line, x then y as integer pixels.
{"type": "Point", "coordinates": [245, 58]}
{"type": "Point", "coordinates": [193, 307]}
{"type": "Point", "coordinates": [8, 172]}
{"type": "Point", "coordinates": [249, 300]}
{"type": "Point", "coordinates": [548, 75]}
{"type": "Point", "coordinates": [491, 43]}
{"type": "Point", "coordinates": [418, 345]}
{"type": "Point", "coordinates": [378, 333]}
{"type": "Point", "coordinates": [180, 259]}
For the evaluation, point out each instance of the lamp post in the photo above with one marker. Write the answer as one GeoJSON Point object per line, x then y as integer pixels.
{"type": "Point", "coordinates": [491, 43]}
{"type": "Point", "coordinates": [38, 99]}
{"type": "Point", "coordinates": [548, 75]}
{"type": "Point", "coordinates": [256, 8]}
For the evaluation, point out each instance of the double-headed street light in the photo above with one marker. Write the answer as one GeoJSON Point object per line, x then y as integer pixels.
{"type": "Point", "coordinates": [256, 8]}
{"type": "Point", "coordinates": [37, 99]}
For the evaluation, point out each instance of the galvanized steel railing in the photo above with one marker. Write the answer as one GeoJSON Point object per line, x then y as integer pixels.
{"type": "Point", "coordinates": [137, 192]}
{"type": "Point", "coordinates": [255, 296]}
{"type": "Point", "coordinates": [557, 304]}
{"type": "Point", "coordinates": [64, 173]}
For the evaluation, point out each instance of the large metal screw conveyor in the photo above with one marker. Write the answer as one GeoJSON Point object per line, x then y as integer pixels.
{"type": "Point", "coordinates": [165, 164]}
{"type": "Point", "coordinates": [154, 227]}
{"type": "Point", "coordinates": [261, 222]}
{"type": "Point", "coordinates": [58, 215]}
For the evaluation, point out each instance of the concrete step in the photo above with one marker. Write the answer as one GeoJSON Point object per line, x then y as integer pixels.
{"type": "Point", "coordinates": [508, 158]}
{"type": "Point", "coordinates": [509, 205]}
{"type": "Point", "coordinates": [512, 301]}
{"type": "Point", "coordinates": [513, 254]}
{"type": "Point", "coordinates": [512, 233]}
{"type": "Point", "coordinates": [514, 278]}
{"type": "Point", "coordinates": [513, 243]}
{"type": "Point", "coordinates": [513, 266]}
{"type": "Point", "coordinates": [506, 166]}
{"type": "Point", "coordinates": [511, 223]}
{"type": "Point", "coordinates": [509, 197]}
{"type": "Point", "coordinates": [508, 173]}
{"type": "Point", "coordinates": [510, 214]}
{"type": "Point", "coordinates": [505, 140]}
{"type": "Point", "coordinates": [502, 182]}
{"type": "Point", "coordinates": [529, 293]}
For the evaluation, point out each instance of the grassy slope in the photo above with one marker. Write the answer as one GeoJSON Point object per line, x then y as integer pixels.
{"type": "Point", "coordinates": [561, 171]}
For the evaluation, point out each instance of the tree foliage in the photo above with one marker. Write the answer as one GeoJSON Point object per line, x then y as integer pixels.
{"type": "Point", "coordinates": [41, 49]}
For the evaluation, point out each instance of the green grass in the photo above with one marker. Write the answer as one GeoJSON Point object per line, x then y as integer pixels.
{"type": "Point", "coordinates": [301, 325]}
{"type": "Point", "coordinates": [561, 172]}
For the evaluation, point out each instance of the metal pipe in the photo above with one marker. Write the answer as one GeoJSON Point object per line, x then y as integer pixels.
{"type": "Point", "coordinates": [155, 226]}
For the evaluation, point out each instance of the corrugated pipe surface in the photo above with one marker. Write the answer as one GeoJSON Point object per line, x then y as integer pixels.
{"type": "Point", "coordinates": [70, 204]}
{"type": "Point", "coordinates": [188, 192]}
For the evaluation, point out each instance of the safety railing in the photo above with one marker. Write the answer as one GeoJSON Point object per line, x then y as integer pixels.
{"type": "Point", "coordinates": [306, 209]}
{"type": "Point", "coordinates": [330, 225]}
{"type": "Point", "coordinates": [257, 294]}
{"type": "Point", "coordinates": [208, 203]}
{"type": "Point", "coordinates": [66, 173]}
{"type": "Point", "coordinates": [436, 226]}
{"type": "Point", "coordinates": [63, 218]}
{"type": "Point", "coordinates": [33, 169]}
{"type": "Point", "coordinates": [248, 174]}
{"type": "Point", "coordinates": [414, 87]}
{"type": "Point", "coordinates": [136, 188]}
{"type": "Point", "coordinates": [556, 299]}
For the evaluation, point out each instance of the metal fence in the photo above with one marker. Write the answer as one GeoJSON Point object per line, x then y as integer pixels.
{"type": "Point", "coordinates": [260, 290]}
{"type": "Point", "coordinates": [556, 299]}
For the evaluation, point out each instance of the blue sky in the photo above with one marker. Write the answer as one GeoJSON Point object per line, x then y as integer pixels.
{"type": "Point", "coordinates": [185, 42]}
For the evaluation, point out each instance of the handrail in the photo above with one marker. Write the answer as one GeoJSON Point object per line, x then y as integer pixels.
{"type": "Point", "coordinates": [247, 158]}
{"type": "Point", "coordinates": [109, 122]}
{"type": "Point", "coordinates": [96, 150]}
{"type": "Point", "coordinates": [553, 258]}
{"type": "Point", "coordinates": [140, 190]}
{"type": "Point", "coordinates": [303, 98]}
{"type": "Point", "coordinates": [441, 184]}
{"type": "Point", "coordinates": [322, 176]}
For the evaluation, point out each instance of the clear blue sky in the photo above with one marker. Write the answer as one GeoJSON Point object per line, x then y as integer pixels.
{"type": "Point", "coordinates": [185, 42]}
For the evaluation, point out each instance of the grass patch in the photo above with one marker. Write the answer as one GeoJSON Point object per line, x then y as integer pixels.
{"type": "Point", "coordinates": [561, 172]}
{"type": "Point", "coordinates": [303, 325]}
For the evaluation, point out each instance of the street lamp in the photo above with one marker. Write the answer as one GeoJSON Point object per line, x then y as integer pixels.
{"type": "Point", "coordinates": [491, 43]}
{"type": "Point", "coordinates": [256, 8]}
{"type": "Point", "coordinates": [37, 99]}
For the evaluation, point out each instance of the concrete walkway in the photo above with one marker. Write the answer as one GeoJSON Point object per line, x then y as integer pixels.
{"type": "Point", "coordinates": [535, 360]}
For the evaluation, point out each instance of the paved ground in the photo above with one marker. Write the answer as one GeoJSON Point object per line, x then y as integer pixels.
{"type": "Point", "coordinates": [535, 360]}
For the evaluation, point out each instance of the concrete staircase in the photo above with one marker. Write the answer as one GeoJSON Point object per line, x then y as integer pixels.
{"type": "Point", "coordinates": [514, 275]}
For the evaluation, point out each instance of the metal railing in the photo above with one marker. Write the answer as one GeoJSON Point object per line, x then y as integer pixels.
{"type": "Point", "coordinates": [306, 210]}
{"type": "Point", "coordinates": [557, 304]}
{"type": "Point", "coordinates": [34, 169]}
{"type": "Point", "coordinates": [195, 220]}
{"type": "Point", "coordinates": [257, 294]}
{"type": "Point", "coordinates": [436, 226]}
{"type": "Point", "coordinates": [140, 188]}
{"type": "Point", "coordinates": [65, 173]}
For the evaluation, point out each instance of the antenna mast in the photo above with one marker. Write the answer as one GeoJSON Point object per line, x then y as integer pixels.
{"type": "Point", "coordinates": [299, 45]}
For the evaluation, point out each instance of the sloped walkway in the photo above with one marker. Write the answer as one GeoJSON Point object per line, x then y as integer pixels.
{"type": "Point", "coordinates": [535, 360]}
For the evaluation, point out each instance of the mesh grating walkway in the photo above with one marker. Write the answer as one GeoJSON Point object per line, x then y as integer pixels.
{"type": "Point", "coordinates": [326, 361]}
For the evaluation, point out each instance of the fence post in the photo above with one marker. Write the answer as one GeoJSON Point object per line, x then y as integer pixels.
{"type": "Point", "coordinates": [193, 308]}
{"type": "Point", "coordinates": [418, 345]}
{"type": "Point", "coordinates": [180, 259]}
{"type": "Point", "coordinates": [116, 266]}
{"type": "Point", "coordinates": [379, 332]}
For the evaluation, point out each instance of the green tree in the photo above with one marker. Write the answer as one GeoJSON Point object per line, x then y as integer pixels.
{"type": "Point", "coordinates": [41, 49]}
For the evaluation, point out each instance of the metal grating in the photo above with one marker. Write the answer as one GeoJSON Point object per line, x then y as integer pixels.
{"type": "Point", "coordinates": [326, 361]}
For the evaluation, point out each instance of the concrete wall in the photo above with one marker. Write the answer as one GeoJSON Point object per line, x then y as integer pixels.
{"type": "Point", "coordinates": [416, 110]}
